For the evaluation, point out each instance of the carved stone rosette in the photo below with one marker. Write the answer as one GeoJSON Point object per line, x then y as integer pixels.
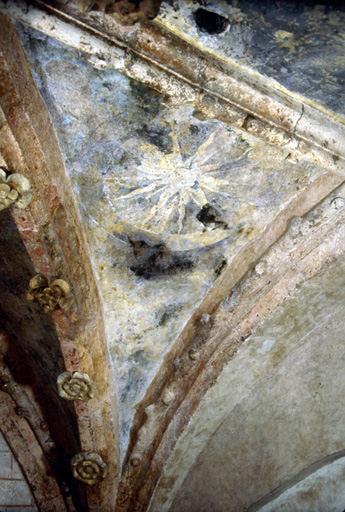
{"type": "Point", "coordinates": [76, 386]}
{"type": "Point", "coordinates": [14, 190]}
{"type": "Point", "coordinates": [89, 468]}
{"type": "Point", "coordinates": [49, 297]}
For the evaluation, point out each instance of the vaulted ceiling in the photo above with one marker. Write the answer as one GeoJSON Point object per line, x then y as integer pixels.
{"type": "Point", "coordinates": [172, 255]}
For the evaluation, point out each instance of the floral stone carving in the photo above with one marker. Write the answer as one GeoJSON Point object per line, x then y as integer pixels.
{"type": "Point", "coordinates": [76, 386]}
{"type": "Point", "coordinates": [49, 297]}
{"type": "Point", "coordinates": [89, 468]}
{"type": "Point", "coordinates": [14, 190]}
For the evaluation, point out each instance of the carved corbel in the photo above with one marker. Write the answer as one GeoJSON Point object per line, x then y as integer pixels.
{"type": "Point", "coordinates": [145, 434]}
{"type": "Point", "coordinates": [49, 297]}
{"type": "Point", "coordinates": [76, 386]}
{"type": "Point", "coordinates": [14, 190]}
{"type": "Point", "coordinates": [89, 468]}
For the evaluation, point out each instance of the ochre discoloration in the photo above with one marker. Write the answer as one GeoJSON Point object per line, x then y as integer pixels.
{"type": "Point", "coordinates": [30, 457]}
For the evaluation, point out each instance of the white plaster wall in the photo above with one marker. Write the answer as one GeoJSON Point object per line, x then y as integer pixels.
{"type": "Point", "coordinates": [279, 406]}
{"type": "Point", "coordinates": [322, 491]}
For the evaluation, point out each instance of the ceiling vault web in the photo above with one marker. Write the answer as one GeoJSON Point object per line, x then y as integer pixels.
{"type": "Point", "coordinates": [179, 201]}
{"type": "Point", "coordinates": [218, 89]}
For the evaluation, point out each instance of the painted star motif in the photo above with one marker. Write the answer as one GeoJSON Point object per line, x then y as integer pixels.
{"type": "Point", "coordinates": [169, 182]}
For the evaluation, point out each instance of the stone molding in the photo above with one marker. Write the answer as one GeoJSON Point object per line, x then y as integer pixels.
{"type": "Point", "coordinates": [28, 142]}
{"type": "Point", "coordinates": [161, 428]}
{"type": "Point", "coordinates": [295, 128]}
{"type": "Point", "coordinates": [312, 242]}
{"type": "Point", "coordinates": [216, 88]}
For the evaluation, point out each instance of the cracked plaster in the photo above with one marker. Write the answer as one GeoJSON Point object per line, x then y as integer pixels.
{"type": "Point", "coordinates": [287, 42]}
{"type": "Point", "coordinates": [143, 173]}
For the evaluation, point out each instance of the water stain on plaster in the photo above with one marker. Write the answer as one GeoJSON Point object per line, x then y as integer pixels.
{"type": "Point", "coordinates": [153, 261]}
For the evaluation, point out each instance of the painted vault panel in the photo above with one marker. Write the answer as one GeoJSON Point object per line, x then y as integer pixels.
{"type": "Point", "coordinates": [166, 200]}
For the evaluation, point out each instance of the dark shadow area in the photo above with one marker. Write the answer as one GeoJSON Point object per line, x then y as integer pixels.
{"type": "Point", "coordinates": [34, 355]}
{"type": "Point", "coordinates": [309, 3]}
{"type": "Point", "coordinates": [209, 21]}
{"type": "Point", "coordinates": [155, 260]}
{"type": "Point", "coordinates": [330, 3]}
{"type": "Point", "coordinates": [211, 218]}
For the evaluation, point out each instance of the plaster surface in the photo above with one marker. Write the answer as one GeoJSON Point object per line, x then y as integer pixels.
{"type": "Point", "coordinates": [299, 46]}
{"type": "Point", "coordinates": [322, 490]}
{"type": "Point", "coordinates": [172, 200]}
{"type": "Point", "coordinates": [284, 404]}
{"type": "Point", "coordinates": [166, 199]}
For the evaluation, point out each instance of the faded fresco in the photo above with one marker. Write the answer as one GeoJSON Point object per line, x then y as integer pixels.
{"type": "Point", "coordinates": [166, 200]}
{"type": "Point", "coordinates": [297, 45]}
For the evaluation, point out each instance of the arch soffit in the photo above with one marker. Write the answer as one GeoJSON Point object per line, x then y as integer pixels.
{"type": "Point", "coordinates": [54, 238]}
